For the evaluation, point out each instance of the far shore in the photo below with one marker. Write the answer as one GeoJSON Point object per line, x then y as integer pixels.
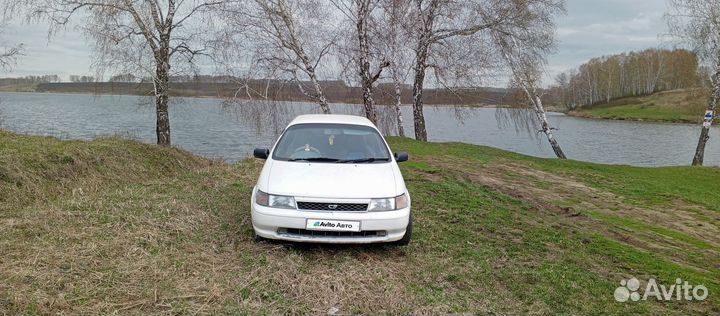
{"type": "Point", "coordinates": [490, 106]}
{"type": "Point", "coordinates": [335, 92]}
{"type": "Point", "coordinates": [682, 106]}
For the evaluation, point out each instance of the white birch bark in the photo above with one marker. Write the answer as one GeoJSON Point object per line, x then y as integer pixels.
{"type": "Point", "coordinates": [524, 73]}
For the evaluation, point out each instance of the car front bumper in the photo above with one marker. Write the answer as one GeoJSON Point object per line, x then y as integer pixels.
{"type": "Point", "coordinates": [290, 225]}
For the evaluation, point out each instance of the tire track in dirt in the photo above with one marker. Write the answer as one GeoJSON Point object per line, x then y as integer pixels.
{"type": "Point", "coordinates": [551, 193]}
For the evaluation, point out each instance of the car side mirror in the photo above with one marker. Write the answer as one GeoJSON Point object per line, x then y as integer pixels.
{"type": "Point", "coordinates": [401, 156]}
{"type": "Point", "coordinates": [261, 153]}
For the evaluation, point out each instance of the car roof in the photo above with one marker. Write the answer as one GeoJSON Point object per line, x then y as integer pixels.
{"type": "Point", "coordinates": [332, 118]}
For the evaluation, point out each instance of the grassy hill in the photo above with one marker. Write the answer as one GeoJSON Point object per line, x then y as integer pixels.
{"type": "Point", "coordinates": [115, 226]}
{"type": "Point", "coordinates": [678, 106]}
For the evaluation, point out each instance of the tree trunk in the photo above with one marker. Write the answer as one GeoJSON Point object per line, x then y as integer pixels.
{"type": "Point", "coordinates": [545, 126]}
{"type": "Point", "coordinates": [319, 94]}
{"type": "Point", "coordinates": [369, 103]}
{"type": "Point", "coordinates": [395, 65]}
{"type": "Point", "coordinates": [705, 132]}
{"type": "Point", "coordinates": [162, 80]}
{"type": "Point", "coordinates": [398, 103]}
{"type": "Point", "coordinates": [700, 149]}
{"type": "Point", "coordinates": [310, 72]}
{"type": "Point", "coordinates": [322, 100]}
{"type": "Point", "coordinates": [364, 61]}
{"type": "Point", "coordinates": [418, 116]}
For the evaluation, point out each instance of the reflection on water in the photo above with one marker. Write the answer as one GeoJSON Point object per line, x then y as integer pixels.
{"type": "Point", "coordinates": [230, 132]}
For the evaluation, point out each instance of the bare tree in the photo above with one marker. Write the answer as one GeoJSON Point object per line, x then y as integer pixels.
{"type": "Point", "coordinates": [526, 75]}
{"type": "Point", "coordinates": [364, 52]}
{"type": "Point", "coordinates": [698, 23]}
{"type": "Point", "coordinates": [394, 21]}
{"type": "Point", "coordinates": [438, 22]}
{"type": "Point", "coordinates": [287, 40]}
{"type": "Point", "coordinates": [8, 57]}
{"type": "Point", "coordinates": [138, 35]}
{"type": "Point", "coordinates": [8, 53]}
{"type": "Point", "coordinates": [615, 76]}
{"type": "Point", "coordinates": [523, 45]}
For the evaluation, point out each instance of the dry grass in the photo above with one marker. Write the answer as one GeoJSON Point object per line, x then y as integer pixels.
{"type": "Point", "coordinates": [113, 226]}
{"type": "Point", "coordinates": [679, 106]}
{"type": "Point", "coordinates": [122, 232]}
{"type": "Point", "coordinates": [25, 87]}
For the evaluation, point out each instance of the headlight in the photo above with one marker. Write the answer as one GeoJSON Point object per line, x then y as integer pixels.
{"type": "Point", "coordinates": [279, 201]}
{"type": "Point", "coordinates": [388, 204]}
{"type": "Point", "coordinates": [401, 201]}
{"type": "Point", "coordinates": [282, 201]}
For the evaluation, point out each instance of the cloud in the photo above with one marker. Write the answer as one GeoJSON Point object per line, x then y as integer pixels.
{"type": "Point", "coordinates": [596, 28]}
{"type": "Point", "coordinates": [591, 28]}
{"type": "Point", "coordinates": [64, 54]}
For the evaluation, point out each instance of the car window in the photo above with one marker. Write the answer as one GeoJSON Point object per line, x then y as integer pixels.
{"type": "Point", "coordinates": [331, 143]}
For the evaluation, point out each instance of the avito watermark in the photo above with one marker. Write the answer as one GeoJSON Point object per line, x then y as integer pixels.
{"type": "Point", "coordinates": [629, 290]}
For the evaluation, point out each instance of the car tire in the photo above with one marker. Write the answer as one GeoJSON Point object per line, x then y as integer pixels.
{"type": "Point", "coordinates": [408, 234]}
{"type": "Point", "coordinates": [257, 238]}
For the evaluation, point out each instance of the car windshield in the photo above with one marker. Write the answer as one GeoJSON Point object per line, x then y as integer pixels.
{"type": "Point", "coordinates": [338, 143]}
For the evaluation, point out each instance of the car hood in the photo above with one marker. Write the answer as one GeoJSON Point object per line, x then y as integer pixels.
{"type": "Point", "coordinates": [333, 180]}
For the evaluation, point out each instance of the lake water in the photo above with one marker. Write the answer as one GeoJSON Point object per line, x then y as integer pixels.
{"type": "Point", "coordinates": [206, 127]}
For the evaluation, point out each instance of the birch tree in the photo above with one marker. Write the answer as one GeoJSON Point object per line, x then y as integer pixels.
{"type": "Point", "coordinates": [525, 74]}
{"type": "Point", "coordinates": [287, 40]}
{"type": "Point", "coordinates": [394, 25]}
{"type": "Point", "coordinates": [437, 23]}
{"type": "Point", "coordinates": [605, 78]}
{"type": "Point", "coordinates": [523, 45]}
{"type": "Point", "coordinates": [373, 49]}
{"type": "Point", "coordinates": [364, 51]}
{"type": "Point", "coordinates": [152, 36]}
{"type": "Point", "coordinates": [368, 77]}
{"type": "Point", "coordinates": [429, 29]}
{"type": "Point", "coordinates": [698, 22]}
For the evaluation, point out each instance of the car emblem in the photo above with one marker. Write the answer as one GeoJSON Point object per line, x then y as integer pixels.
{"type": "Point", "coordinates": [332, 206]}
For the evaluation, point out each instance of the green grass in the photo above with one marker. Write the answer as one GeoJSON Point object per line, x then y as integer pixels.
{"type": "Point", "coordinates": [678, 106]}
{"type": "Point", "coordinates": [645, 186]}
{"type": "Point", "coordinates": [641, 226]}
{"type": "Point", "coordinates": [114, 226]}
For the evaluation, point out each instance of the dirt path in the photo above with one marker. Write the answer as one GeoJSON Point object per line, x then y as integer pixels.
{"type": "Point", "coordinates": [647, 227]}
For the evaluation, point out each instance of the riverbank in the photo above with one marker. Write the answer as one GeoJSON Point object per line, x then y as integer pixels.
{"type": "Point", "coordinates": [116, 226]}
{"type": "Point", "coordinates": [25, 87]}
{"type": "Point", "coordinates": [336, 92]}
{"type": "Point", "coordinates": [220, 99]}
{"type": "Point", "coordinates": [675, 106]}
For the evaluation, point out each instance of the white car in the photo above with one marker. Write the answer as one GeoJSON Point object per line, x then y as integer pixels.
{"type": "Point", "coordinates": [331, 179]}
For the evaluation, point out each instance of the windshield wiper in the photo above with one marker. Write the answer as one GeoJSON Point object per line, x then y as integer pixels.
{"type": "Point", "coordinates": [362, 160]}
{"type": "Point", "coordinates": [320, 159]}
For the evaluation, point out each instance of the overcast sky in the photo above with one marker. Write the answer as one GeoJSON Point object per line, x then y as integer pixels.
{"type": "Point", "coordinates": [594, 28]}
{"type": "Point", "coordinates": [591, 28]}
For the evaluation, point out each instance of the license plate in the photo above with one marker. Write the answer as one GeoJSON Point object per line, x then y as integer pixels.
{"type": "Point", "coordinates": [332, 225]}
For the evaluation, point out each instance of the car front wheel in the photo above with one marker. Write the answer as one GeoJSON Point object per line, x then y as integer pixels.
{"type": "Point", "coordinates": [408, 234]}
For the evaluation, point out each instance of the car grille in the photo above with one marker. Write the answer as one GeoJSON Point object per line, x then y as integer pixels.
{"type": "Point", "coordinates": [319, 233]}
{"type": "Point", "coordinates": [316, 206]}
